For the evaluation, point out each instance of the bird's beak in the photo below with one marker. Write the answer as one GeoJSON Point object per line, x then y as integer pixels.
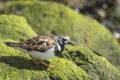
{"type": "Point", "coordinates": [71, 43]}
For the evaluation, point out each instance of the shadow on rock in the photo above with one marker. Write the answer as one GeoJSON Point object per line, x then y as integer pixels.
{"type": "Point", "coordinates": [21, 63]}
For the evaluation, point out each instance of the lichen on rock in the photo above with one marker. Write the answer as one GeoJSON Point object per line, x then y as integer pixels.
{"type": "Point", "coordinates": [15, 27]}
{"type": "Point", "coordinates": [75, 63]}
{"type": "Point", "coordinates": [49, 17]}
{"type": "Point", "coordinates": [16, 65]}
{"type": "Point", "coordinates": [97, 67]}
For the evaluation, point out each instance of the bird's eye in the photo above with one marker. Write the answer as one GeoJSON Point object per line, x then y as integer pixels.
{"type": "Point", "coordinates": [65, 39]}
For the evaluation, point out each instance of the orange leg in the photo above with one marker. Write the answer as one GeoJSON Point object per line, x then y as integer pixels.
{"type": "Point", "coordinates": [46, 65]}
{"type": "Point", "coordinates": [36, 62]}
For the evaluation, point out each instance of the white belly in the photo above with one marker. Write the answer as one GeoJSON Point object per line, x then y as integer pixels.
{"type": "Point", "coordinates": [43, 56]}
{"type": "Point", "coordinates": [39, 55]}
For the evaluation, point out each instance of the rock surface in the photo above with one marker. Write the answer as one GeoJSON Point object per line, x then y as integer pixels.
{"type": "Point", "coordinates": [75, 63]}
{"type": "Point", "coordinates": [49, 17]}
{"type": "Point", "coordinates": [15, 27]}
{"type": "Point", "coordinates": [98, 68]}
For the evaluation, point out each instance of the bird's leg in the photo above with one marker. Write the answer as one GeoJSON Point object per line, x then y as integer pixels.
{"type": "Point", "coordinates": [34, 61]}
{"type": "Point", "coordinates": [42, 62]}
{"type": "Point", "coordinates": [46, 65]}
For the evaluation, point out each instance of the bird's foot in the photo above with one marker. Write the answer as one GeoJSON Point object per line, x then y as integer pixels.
{"type": "Point", "coordinates": [51, 67]}
{"type": "Point", "coordinates": [35, 61]}
{"type": "Point", "coordinates": [46, 65]}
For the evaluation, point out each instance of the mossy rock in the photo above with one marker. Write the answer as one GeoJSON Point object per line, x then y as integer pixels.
{"type": "Point", "coordinates": [15, 65]}
{"type": "Point", "coordinates": [15, 27]}
{"type": "Point", "coordinates": [98, 68]}
{"type": "Point", "coordinates": [75, 63]}
{"type": "Point", "coordinates": [49, 17]}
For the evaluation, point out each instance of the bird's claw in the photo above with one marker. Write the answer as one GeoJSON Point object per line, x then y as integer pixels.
{"type": "Point", "coordinates": [51, 67]}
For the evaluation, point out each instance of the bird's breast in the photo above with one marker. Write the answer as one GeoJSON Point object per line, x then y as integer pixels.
{"type": "Point", "coordinates": [40, 55]}
{"type": "Point", "coordinates": [43, 55]}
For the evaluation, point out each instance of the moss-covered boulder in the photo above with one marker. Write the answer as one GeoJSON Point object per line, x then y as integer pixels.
{"type": "Point", "coordinates": [49, 17]}
{"type": "Point", "coordinates": [15, 27]}
{"type": "Point", "coordinates": [15, 65]}
{"type": "Point", "coordinates": [75, 63]}
{"type": "Point", "coordinates": [98, 68]}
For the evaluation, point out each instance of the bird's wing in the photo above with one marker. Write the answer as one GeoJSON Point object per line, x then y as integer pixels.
{"type": "Point", "coordinates": [39, 43]}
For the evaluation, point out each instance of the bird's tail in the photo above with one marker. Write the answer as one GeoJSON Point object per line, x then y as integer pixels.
{"type": "Point", "coordinates": [12, 44]}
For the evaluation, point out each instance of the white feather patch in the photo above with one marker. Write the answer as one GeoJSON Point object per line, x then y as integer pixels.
{"type": "Point", "coordinates": [40, 55]}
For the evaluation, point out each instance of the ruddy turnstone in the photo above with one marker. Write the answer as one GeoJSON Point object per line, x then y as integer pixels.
{"type": "Point", "coordinates": [41, 48]}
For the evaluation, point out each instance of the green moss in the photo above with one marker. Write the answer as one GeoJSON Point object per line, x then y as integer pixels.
{"type": "Point", "coordinates": [15, 65]}
{"type": "Point", "coordinates": [98, 68]}
{"type": "Point", "coordinates": [43, 19]}
{"type": "Point", "coordinates": [15, 27]}
{"type": "Point", "coordinates": [76, 63]}
{"type": "Point", "coordinates": [49, 17]}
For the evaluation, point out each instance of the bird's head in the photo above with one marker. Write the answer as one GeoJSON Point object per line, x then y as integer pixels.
{"type": "Point", "coordinates": [64, 39]}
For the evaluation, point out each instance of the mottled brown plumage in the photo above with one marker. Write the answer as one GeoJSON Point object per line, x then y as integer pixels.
{"type": "Point", "coordinates": [42, 47]}
{"type": "Point", "coordinates": [39, 43]}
